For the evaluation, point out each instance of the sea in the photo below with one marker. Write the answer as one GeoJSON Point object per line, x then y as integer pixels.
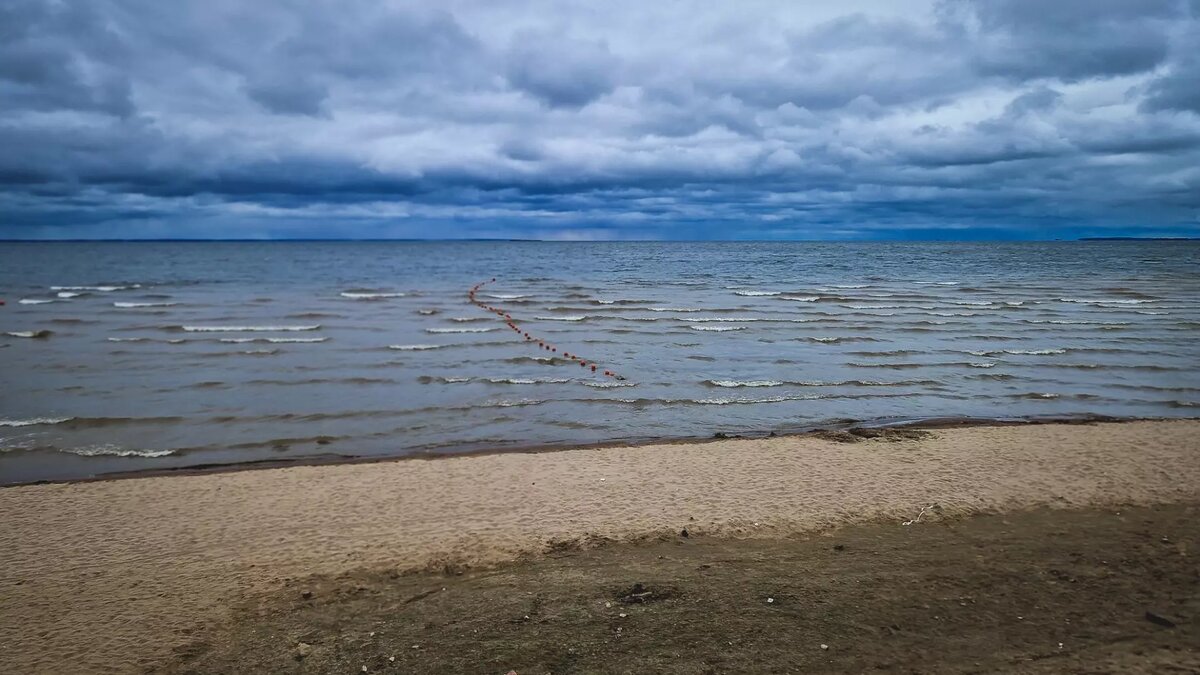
{"type": "Point", "coordinates": [141, 356]}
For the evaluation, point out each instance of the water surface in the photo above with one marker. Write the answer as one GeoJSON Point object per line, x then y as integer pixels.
{"type": "Point", "coordinates": [163, 355]}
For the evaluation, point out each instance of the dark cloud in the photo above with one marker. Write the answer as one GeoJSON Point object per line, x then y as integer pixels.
{"type": "Point", "coordinates": [856, 119]}
{"type": "Point", "coordinates": [561, 71]}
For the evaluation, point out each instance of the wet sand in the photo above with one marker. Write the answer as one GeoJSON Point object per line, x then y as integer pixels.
{"type": "Point", "coordinates": [130, 575]}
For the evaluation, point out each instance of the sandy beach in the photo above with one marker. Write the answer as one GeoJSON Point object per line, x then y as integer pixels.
{"type": "Point", "coordinates": [136, 574]}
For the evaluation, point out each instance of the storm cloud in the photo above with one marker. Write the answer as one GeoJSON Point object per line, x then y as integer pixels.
{"type": "Point", "coordinates": [755, 120]}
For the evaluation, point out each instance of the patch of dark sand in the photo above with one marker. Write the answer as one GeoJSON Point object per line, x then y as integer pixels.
{"type": "Point", "coordinates": [1045, 591]}
{"type": "Point", "coordinates": [868, 433]}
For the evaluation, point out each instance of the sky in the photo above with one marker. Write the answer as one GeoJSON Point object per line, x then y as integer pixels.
{"type": "Point", "coordinates": [623, 119]}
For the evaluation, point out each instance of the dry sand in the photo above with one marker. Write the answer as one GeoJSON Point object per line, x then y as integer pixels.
{"type": "Point", "coordinates": [113, 575]}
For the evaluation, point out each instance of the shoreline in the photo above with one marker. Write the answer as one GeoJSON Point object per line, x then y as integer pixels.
{"type": "Point", "coordinates": [848, 425]}
{"type": "Point", "coordinates": [119, 574]}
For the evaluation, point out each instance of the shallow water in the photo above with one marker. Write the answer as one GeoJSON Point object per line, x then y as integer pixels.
{"type": "Point", "coordinates": [165, 355]}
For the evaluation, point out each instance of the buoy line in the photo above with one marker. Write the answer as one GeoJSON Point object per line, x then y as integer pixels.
{"type": "Point", "coordinates": [542, 344]}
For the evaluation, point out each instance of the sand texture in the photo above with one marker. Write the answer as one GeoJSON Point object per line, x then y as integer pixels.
{"type": "Point", "coordinates": [114, 575]}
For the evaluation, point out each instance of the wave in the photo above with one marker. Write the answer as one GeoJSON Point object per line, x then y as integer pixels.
{"type": "Point", "coordinates": [717, 329]}
{"type": "Point", "coordinates": [743, 383]}
{"type": "Point", "coordinates": [247, 329]}
{"type": "Point", "coordinates": [467, 319]}
{"type": "Point", "coordinates": [891, 352]}
{"type": "Point", "coordinates": [1066, 322]}
{"type": "Point", "coordinates": [414, 348]}
{"type": "Point", "coordinates": [505, 296]}
{"type": "Point", "coordinates": [273, 340]}
{"type": "Point", "coordinates": [709, 401]}
{"type": "Point", "coordinates": [800, 298]}
{"type": "Point", "coordinates": [67, 295]}
{"type": "Point", "coordinates": [36, 301]}
{"type": "Point", "coordinates": [370, 295]}
{"type": "Point", "coordinates": [34, 421]}
{"type": "Point", "coordinates": [110, 450]}
{"type": "Point", "coordinates": [128, 339]}
{"type": "Point", "coordinates": [936, 283]}
{"type": "Point", "coordinates": [1018, 352]}
{"type": "Point", "coordinates": [675, 309]}
{"type": "Point", "coordinates": [608, 385]}
{"type": "Point", "coordinates": [430, 379]}
{"type": "Point", "coordinates": [427, 312]}
{"type": "Point", "coordinates": [574, 317]}
{"type": "Point", "coordinates": [101, 289]}
{"type": "Point", "coordinates": [526, 380]}
{"type": "Point", "coordinates": [460, 330]}
{"type": "Point", "coordinates": [315, 315]}
{"type": "Point", "coordinates": [873, 306]}
{"type": "Point", "coordinates": [757, 294]}
{"type": "Point", "coordinates": [36, 334]}
{"type": "Point", "coordinates": [136, 305]}
{"type": "Point", "coordinates": [543, 360]}
{"type": "Point", "coordinates": [1106, 301]}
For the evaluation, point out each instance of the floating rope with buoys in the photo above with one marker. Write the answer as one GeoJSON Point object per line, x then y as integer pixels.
{"type": "Point", "coordinates": [542, 344]}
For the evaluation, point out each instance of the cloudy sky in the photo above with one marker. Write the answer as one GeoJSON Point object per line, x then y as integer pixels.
{"type": "Point", "coordinates": [842, 119]}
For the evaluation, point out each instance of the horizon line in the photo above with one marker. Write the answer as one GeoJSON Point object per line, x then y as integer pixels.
{"type": "Point", "coordinates": [573, 241]}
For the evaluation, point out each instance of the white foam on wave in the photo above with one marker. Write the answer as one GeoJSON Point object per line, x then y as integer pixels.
{"type": "Point", "coordinates": [66, 295]}
{"type": "Point", "coordinates": [505, 296]}
{"type": "Point", "coordinates": [273, 340]}
{"type": "Point", "coordinates": [459, 330]}
{"type": "Point", "coordinates": [850, 286]}
{"type": "Point", "coordinates": [675, 309]}
{"type": "Point", "coordinates": [1065, 322]}
{"type": "Point", "coordinates": [573, 317]}
{"type": "Point", "coordinates": [34, 421]}
{"type": "Point", "coordinates": [248, 329]}
{"type": "Point", "coordinates": [1032, 352]}
{"type": "Point", "coordinates": [100, 289]}
{"type": "Point", "coordinates": [1106, 301]}
{"type": "Point", "coordinates": [110, 450]}
{"type": "Point", "coordinates": [356, 295]}
{"type": "Point", "coordinates": [756, 294]}
{"type": "Point", "coordinates": [717, 329]}
{"type": "Point", "coordinates": [744, 383]}
{"type": "Point", "coordinates": [128, 339]}
{"type": "Point", "coordinates": [138, 305]}
{"type": "Point", "coordinates": [827, 340]}
{"type": "Point", "coordinates": [527, 380]}
{"type": "Point", "coordinates": [936, 283]}
{"type": "Point", "coordinates": [29, 333]}
{"type": "Point", "coordinates": [721, 319]}
{"type": "Point", "coordinates": [873, 306]}
{"type": "Point", "coordinates": [414, 348]}
{"type": "Point", "coordinates": [981, 364]}
{"type": "Point", "coordinates": [800, 298]}
{"type": "Point", "coordinates": [608, 385]}
{"type": "Point", "coordinates": [35, 301]}
{"type": "Point", "coordinates": [467, 319]}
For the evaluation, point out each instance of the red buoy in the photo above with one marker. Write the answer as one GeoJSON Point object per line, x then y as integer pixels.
{"type": "Point", "coordinates": [593, 369]}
